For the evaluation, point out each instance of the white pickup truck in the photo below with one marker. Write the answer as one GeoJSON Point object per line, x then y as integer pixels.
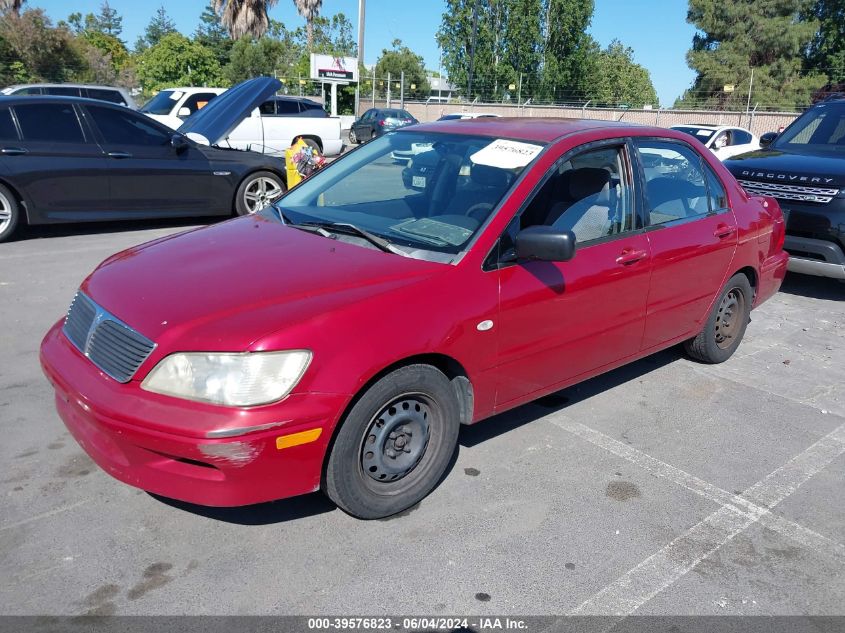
{"type": "Point", "coordinates": [269, 129]}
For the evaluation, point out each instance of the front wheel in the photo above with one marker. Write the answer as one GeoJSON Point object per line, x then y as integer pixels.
{"type": "Point", "coordinates": [258, 191]}
{"type": "Point", "coordinates": [395, 443]}
{"type": "Point", "coordinates": [726, 324]}
{"type": "Point", "coordinates": [9, 213]}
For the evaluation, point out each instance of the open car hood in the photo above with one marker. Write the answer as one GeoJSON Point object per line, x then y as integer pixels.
{"type": "Point", "coordinates": [215, 121]}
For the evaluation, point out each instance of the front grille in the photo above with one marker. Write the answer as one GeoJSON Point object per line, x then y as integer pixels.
{"type": "Point", "coordinates": [107, 341]}
{"type": "Point", "coordinates": [783, 191]}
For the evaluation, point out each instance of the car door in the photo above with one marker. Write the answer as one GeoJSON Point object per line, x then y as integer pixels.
{"type": "Point", "coordinates": [562, 321]}
{"type": "Point", "coordinates": [362, 128]}
{"type": "Point", "coordinates": [692, 235]}
{"type": "Point", "coordinates": [148, 177]}
{"type": "Point", "coordinates": [54, 162]}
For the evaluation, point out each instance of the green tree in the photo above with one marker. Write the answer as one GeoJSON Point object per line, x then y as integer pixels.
{"type": "Point", "coordinates": [310, 10]}
{"type": "Point", "coordinates": [39, 51]}
{"type": "Point", "coordinates": [160, 25]}
{"type": "Point", "coordinates": [11, 6]}
{"type": "Point", "coordinates": [401, 59]}
{"type": "Point", "coordinates": [109, 21]}
{"type": "Point", "coordinates": [827, 50]}
{"type": "Point", "coordinates": [618, 80]}
{"type": "Point", "coordinates": [767, 36]}
{"type": "Point", "coordinates": [267, 56]}
{"type": "Point", "coordinates": [177, 61]}
{"type": "Point", "coordinates": [109, 46]}
{"type": "Point", "coordinates": [569, 53]}
{"type": "Point", "coordinates": [211, 34]}
{"type": "Point", "coordinates": [471, 29]}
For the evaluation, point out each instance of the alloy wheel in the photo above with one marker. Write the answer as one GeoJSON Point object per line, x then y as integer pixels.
{"type": "Point", "coordinates": [261, 193]}
{"type": "Point", "coordinates": [5, 213]}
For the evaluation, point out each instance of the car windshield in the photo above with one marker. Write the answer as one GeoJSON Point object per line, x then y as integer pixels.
{"type": "Point", "coordinates": [820, 129]}
{"type": "Point", "coordinates": [162, 103]}
{"type": "Point", "coordinates": [426, 193]}
{"type": "Point", "coordinates": [702, 134]}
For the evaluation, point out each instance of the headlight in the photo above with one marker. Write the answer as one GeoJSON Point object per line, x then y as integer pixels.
{"type": "Point", "coordinates": [234, 380]}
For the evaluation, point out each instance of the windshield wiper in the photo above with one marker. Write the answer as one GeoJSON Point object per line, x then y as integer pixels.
{"type": "Point", "coordinates": [351, 229]}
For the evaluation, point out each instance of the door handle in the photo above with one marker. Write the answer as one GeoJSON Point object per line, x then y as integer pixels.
{"type": "Point", "coordinates": [12, 151]}
{"type": "Point", "coordinates": [119, 155]}
{"type": "Point", "coordinates": [722, 231]}
{"type": "Point", "coordinates": [629, 257]}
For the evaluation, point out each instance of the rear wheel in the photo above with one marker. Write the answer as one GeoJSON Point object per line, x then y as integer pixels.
{"type": "Point", "coordinates": [395, 443]}
{"type": "Point", "coordinates": [258, 191]}
{"type": "Point", "coordinates": [726, 324]}
{"type": "Point", "coordinates": [9, 213]}
{"type": "Point", "coordinates": [353, 137]}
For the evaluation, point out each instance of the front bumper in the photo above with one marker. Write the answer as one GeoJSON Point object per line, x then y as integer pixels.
{"type": "Point", "coordinates": [162, 444]}
{"type": "Point", "coordinates": [815, 257]}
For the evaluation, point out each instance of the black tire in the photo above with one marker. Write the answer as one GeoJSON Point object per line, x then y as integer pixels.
{"type": "Point", "coordinates": [248, 185]}
{"type": "Point", "coordinates": [726, 324]}
{"type": "Point", "coordinates": [10, 213]}
{"type": "Point", "coordinates": [353, 137]}
{"type": "Point", "coordinates": [411, 416]}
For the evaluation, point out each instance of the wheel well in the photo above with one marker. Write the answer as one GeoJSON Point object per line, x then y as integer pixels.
{"type": "Point", "coordinates": [24, 217]}
{"type": "Point", "coordinates": [316, 139]}
{"type": "Point", "coordinates": [749, 272]}
{"type": "Point", "coordinates": [453, 370]}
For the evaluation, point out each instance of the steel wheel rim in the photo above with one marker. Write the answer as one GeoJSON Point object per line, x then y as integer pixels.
{"type": "Point", "coordinates": [261, 193]}
{"type": "Point", "coordinates": [729, 318]}
{"type": "Point", "coordinates": [397, 438]}
{"type": "Point", "coordinates": [5, 213]}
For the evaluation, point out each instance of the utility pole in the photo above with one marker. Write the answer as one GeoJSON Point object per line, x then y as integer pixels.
{"type": "Point", "coordinates": [750, 84]}
{"type": "Point", "coordinates": [361, 7]}
{"type": "Point", "coordinates": [472, 46]}
{"type": "Point", "coordinates": [402, 90]}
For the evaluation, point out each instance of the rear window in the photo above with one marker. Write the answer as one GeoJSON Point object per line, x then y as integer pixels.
{"type": "Point", "coordinates": [288, 108]}
{"type": "Point", "coordinates": [112, 96]}
{"type": "Point", "coordinates": [49, 122]}
{"type": "Point", "coordinates": [7, 126]}
{"type": "Point", "coordinates": [62, 91]}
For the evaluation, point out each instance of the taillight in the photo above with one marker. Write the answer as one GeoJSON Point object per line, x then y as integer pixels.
{"type": "Point", "coordinates": [381, 123]}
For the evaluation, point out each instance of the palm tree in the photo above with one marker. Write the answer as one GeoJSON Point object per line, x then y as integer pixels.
{"type": "Point", "coordinates": [242, 17]}
{"type": "Point", "coordinates": [11, 5]}
{"type": "Point", "coordinates": [309, 9]}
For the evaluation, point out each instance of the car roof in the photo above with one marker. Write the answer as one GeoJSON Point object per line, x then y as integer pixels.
{"type": "Point", "coordinates": [532, 129]}
{"type": "Point", "coordinates": [193, 89]}
{"type": "Point", "coordinates": [25, 99]}
{"type": "Point", "coordinates": [63, 85]}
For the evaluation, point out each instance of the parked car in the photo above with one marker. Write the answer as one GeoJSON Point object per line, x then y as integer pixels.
{"type": "Point", "coordinates": [111, 94]}
{"type": "Point", "coordinates": [172, 106]}
{"type": "Point", "coordinates": [459, 116]}
{"type": "Point", "coordinates": [66, 159]}
{"type": "Point", "coordinates": [376, 121]}
{"type": "Point", "coordinates": [356, 324]}
{"type": "Point", "coordinates": [804, 168]}
{"type": "Point", "coordinates": [270, 128]}
{"type": "Point", "coordinates": [723, 140]}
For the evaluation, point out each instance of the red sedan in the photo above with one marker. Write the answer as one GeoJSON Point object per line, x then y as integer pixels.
{"type": "Point", "coordinates": [339, 339]}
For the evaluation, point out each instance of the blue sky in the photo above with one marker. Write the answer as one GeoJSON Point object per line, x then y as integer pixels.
{"type": "Point", "coordinates": [660, 37]}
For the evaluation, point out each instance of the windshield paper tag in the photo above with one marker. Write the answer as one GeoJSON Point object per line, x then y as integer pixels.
{"type": "Point", "coordinates": [176, 95]}
{"type": "Point", "coordinates": [506, 154]}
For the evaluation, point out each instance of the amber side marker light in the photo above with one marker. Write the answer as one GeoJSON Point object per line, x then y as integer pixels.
{"type": "Point", "coordinates": [295, 439]}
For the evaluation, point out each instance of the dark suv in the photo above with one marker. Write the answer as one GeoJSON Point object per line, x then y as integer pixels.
{"type": "Point", "coordinates": [804, 168]}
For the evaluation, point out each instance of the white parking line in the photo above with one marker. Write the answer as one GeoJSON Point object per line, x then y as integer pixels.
{"type": "Point", "coordinates": [44, 515]}
{"type": "Point", "coordinates": [659, 571]}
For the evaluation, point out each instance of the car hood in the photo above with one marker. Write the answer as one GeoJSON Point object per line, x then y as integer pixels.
{"type": "Point", "coordinates": [224, 287]}
{"type": "Point", "coordinates": [788, 168]}
{"type": "Point", "coordinates": [215, 121]}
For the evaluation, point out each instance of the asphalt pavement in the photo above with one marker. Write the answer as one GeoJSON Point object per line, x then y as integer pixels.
{"type": "Point", "coordinates": [665, 487]}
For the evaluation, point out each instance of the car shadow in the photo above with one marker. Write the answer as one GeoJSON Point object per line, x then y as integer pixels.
{"type": "Point", "coordinates": [316, 503]}
{"type": "Point", "coordinates": [813, 287]}
{"type": "Point", "coordinates": [41, 231]}
{"type": "Point", "coordinates": [261, 513]}
{"type": "Point", "coordinates": [559, 400]}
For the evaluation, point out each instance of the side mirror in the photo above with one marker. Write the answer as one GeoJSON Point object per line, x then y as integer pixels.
{"type": "Point", "coordinates": [768, 138]}
{"type": "Point", "coordinates": [179, 143]}
{"type": "Point", "coordinates": [545, 243]}
{"type": "Point", "coordinates": [184, 112]}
